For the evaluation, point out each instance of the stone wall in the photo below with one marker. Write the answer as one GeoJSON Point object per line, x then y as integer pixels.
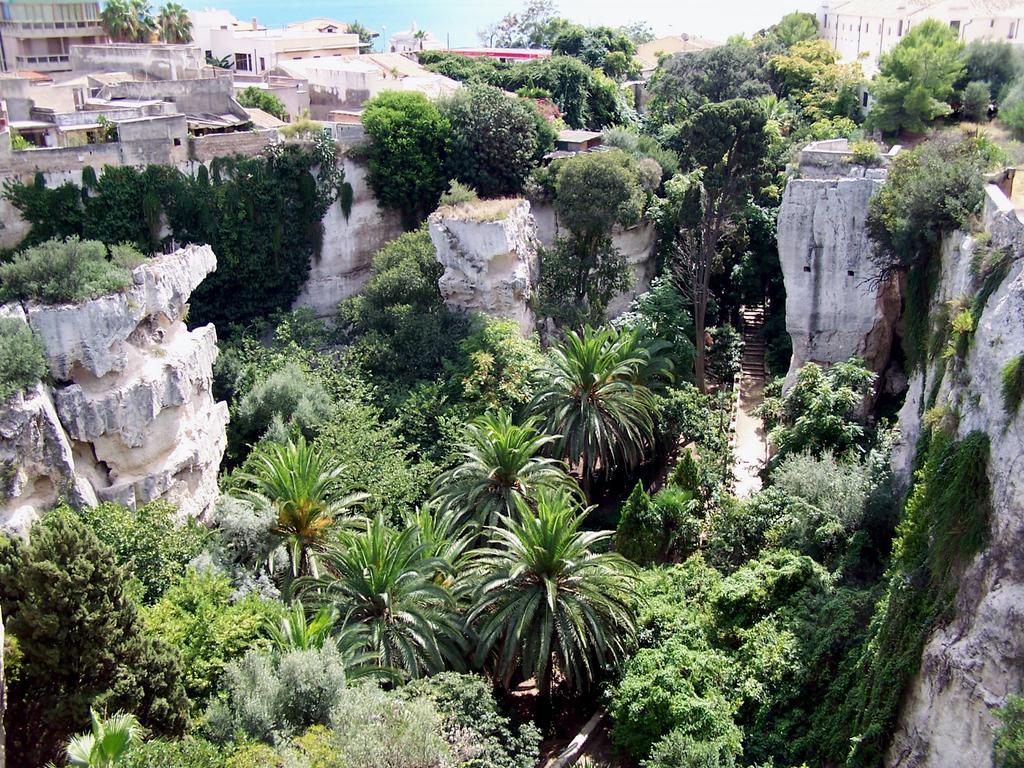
{"type": "Point", "coordinates": [130, 416]}
{"type": "Point", "coordinates": [971, 664]}
{"type": "Point", "coordinates": [835, 309]}
{"type": "Point", "coordinates": [489, 252]}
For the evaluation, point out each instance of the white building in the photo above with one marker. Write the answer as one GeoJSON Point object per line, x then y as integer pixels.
{"type": "Point", "coordinates": [251, 47]}
{"type": "Point", "coordinates": [865, 29]}
{"type": "Point", "coordinates": [413, 40]}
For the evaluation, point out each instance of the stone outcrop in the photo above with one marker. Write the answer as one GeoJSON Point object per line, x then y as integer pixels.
{"type": "Point", "coordinates": [489, 254]}
{"type": "Point", "coordinates": [130, 416]}
{"type": "Point", "coordinates": [971, 664]}
{"type": "Point", "coordinates": [834, 309]}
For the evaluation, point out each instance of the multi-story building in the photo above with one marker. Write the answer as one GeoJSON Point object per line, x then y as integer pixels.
{"type": "Point", "coordinates": [254, 48]}
{"type": "Point", "coordinates": [862, 30]}
{"type": "Point", "coordinates": [37, 35]}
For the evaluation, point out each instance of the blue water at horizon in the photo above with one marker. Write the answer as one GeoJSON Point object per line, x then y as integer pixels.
{"type": "Point", "coordinates": [457, 22]}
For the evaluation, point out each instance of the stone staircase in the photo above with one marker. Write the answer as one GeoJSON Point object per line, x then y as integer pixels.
{"type": "Point", "coordinates": [752, 362]}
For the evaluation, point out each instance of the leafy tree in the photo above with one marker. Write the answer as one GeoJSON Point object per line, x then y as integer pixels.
{"type": "Point", "coordinates": [551, 601]}
{"type": "Point", "coordinates": [384, 580]}
{"type": "Point", "coordinates": [794, 28]}
{"type": "Point", "coordinates": [523, 29]}
{"type": "Point", "coordinates": [404, 329]}
{"type": "Point", "coordinates": [409, 145]}
{"type": "Point", "coordinates": [80, 640]}
{"type": "Point", "coordinates": [650, 529]}
{"type": "Point", "coordinates": [916, 78]}
{"type": "Point", "coordinates": [685, 83]}
{"type": "Point", "coordinates": [268, 102]}
{"type": "Point", "coordinates": [598, 401]}
{"type": "Point", "coordinates": [148, 543]}
{"type": "Point", "coordinates": [593, 193]}
{"type": "Point", "coordinates": [810, 74]}
{"type": "Point", "coordinates": [201, 618]}
{"type": "Point", "coordinates": [821, 412]}
{"type": "Point", "coordinates": [174, 24]}
{"type": "Point", "coordinates": [498, 361]}
{"type": "Point", "coordinates": [107, 741]}
{"type": "Point", "coordinates": [663, 313]}
{"type": "Point", "coordinates": [496, 140]}
{"type": "Point", "coordinates": [466, 704]}
{"type": "Point", "coordinates": [302, 484]}
{"type": "Point", "coordinates": [728, 145]}
{"type": "Point", "coordinates": [22, 364]}
{"type": "Point", "coordinates": [501, 466]}
{"type": "Point", "coordinates": [995, 63]}
{"type": "Point", "coordinates": [594, 46]}
{"type": "Point", "coordinates": [976, 100]}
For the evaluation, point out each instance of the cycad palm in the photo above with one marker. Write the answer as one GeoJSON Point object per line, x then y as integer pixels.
{"type": "Point", "coordinates": [386, 581]}
{"type": "Point", "coordinates": [552, 598]}
{"type": "Point", "coordinates": [174, 24]}
{"type": "Point", "coordinates": [108, 740]}
{"type": "Point", "coordinates": [598, 399]}
{"type": "Point", "coordinates": [303, 485]}
{"type": "Point", "coordinates": [501, 465]}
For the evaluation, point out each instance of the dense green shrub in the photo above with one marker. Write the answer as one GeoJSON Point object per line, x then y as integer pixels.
{"type": "Point", "coordinates": [640, 531]}
{"type": "Point", "coordinates": [148, 542]}
{"type": "Point", "coordinates": [496, 139]}
{"type": "Point", "coordinates": [976, 99]}
{"type": "Point", "coordinates": [740, 529]}
{"type": "Point", "coordinates": [681, 750]}
{"type": "Point", "coordinates": [22, 364]}
{"type": "Point", "coordinates": [403, 329]}
{"type": "Point", "coordinates": [468, 708]}
{"type": "Point", "coordinates": [201, 619]}
{"type": "Point", "coordinates": [269, 698]}
{"type": "Point", "coordinates": [1008, 750]}
{"type": "Point", "coordinates": [409, 140]}
{"type": "Point", "coordinates": [189, 752]}
{"type": "Point", "coordinates": [64, 271]}
{"type": "Point", "coordinates": [496, 365]}
{"type": "Point", "coordinates": [287, 403]}
{"type": "Point", "coordinates": [662, 312]}
{"type": "Point", "coordinates": [80, 642]}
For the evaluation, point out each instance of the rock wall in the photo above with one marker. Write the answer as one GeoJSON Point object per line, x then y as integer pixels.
{"type": "Point", "coordinates": [970, 665]}
{"type": "Point", "coordinates": [130, 416]}
{"type": "Point", "coordinates": [489, 252]}
{"type": "Point", "coordinates": [349, 246]}
{"type": "Point", "coordinates": [833, 309]}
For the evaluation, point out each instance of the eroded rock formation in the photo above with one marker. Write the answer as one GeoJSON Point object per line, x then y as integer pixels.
{"type": "Point", "coordinates": [489, 254]}
{"type": "Point", "coordinates": [130, 416]}
{"type": "Point", "coordinates": [971, 664]}
{"type": "Point", "coordinates": [834, 308]}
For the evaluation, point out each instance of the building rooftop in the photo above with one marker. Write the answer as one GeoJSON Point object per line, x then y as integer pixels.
{"type": "Point", "coordinates": [647, 54]}
{"type": "Point", "coordinates": [906, 8]}
{"type": "Point", "coordinates": [578, 137]}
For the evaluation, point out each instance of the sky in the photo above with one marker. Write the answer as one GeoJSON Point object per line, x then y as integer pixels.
{"type": "Point", "coordinates": [458, 20]}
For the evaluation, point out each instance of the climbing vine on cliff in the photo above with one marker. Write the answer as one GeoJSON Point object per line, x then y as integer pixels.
{"type": "Point", "coordinates": [945, 523]}
{"type": "Point", "coordinates": [262, 216]}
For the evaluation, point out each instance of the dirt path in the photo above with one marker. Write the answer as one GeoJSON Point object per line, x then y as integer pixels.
{"type": "Point", "coordinates": [751, 443]}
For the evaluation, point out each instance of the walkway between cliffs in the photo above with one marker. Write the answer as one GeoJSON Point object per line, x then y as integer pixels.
{"type": "Point", "coordinates": [750, 443]}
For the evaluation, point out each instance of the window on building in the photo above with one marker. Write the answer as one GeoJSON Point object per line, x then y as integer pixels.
{"type": "Point", "coordinates": [867, 28]}
{"type": "Point", "coordinates": [955, 26]}
{"type": "Point", "coordinates": [209, 54]}
{"type": "Point", "coordinates": [263, 63]}
{"type": "Point", "coordinates": [243, 62]}
{"type": "Point", "coordinates": [826, 21]}
{"type": "Point", "coordinates": [1013, 30]}
{"type": "Point", "coordinates": [991, 23]}
{"type": "Point", "coordinates": [864, 99]}
{"type": "Point", "coordinates": [899, 29]}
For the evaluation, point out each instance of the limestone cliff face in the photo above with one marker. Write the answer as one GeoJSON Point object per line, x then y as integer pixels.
{"type": "Point", "coordinates": [130, 416]}
{"type": "Point", "coordinates": [489, 252]}
{"type": "Point", "coordinates": [972, 664]}
{"type": "Point", "coordinates": [833, 309]}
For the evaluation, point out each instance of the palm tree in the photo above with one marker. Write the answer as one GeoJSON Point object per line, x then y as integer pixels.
{"type": "Point", "coordinates": [386, 581]}
{"type": "Point", "coordinates": [501, 464]}
{"type": "Point", "coordinates": [552, 599]}
{"type": "Point", "coordinates": [295, 632]}
{"type": "Point", "coordinates": [302, 482]}
{"type": "Point", "coordinates": [116, 18]}
{"type": "Point", "coordinates": [598, 399]}
{"type": "Point", "coordinates": [174, 24]}
{"type": "Point", "coordinates": [107, 742]}
{"type": "Point", "coordinates": [142, 25]}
